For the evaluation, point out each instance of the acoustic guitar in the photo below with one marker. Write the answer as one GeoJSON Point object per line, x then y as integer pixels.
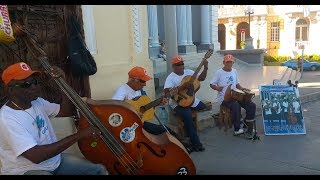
{"type": "Point", "coordinates": [186, 97]}
{"type": "Point", "coordinates": [147, 107]}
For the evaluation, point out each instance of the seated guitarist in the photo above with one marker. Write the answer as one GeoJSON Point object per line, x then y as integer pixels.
{"type": "Point", "coordinates": [173, 80]}
{"type": "Point", "coordinates": [134, 88]}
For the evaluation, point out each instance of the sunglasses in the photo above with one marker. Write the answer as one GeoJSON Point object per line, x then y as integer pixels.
{"type": "Point", "coordinates": [27, 84]}
{"type": "Point", "coordinates": [180, 64]}
{"type": "Point", "coordinates": [142, 81]}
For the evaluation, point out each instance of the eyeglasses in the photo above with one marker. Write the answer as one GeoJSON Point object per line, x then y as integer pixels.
{"type": "Point", "coordinates": [180, 64]}
{"type": "Point", "coordinates": [142, 81]}
{"type": "Point", "coordinates": [27, 84]}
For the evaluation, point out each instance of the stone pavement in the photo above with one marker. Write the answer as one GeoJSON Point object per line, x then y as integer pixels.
{"type": "Point", "coordinates": [226, 154]}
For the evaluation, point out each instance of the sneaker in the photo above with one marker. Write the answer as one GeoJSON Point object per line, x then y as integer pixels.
{"type": "Point", "coordinates": [240, 131]}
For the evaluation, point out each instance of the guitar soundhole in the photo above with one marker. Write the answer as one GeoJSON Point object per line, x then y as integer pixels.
{"type": "Point", "coordinates": [143, 109]}
{"type": "Point", "coordinates": [190, 91]}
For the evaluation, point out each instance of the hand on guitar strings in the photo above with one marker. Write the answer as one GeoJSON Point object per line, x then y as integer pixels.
{"type": "Point", "coordinates": [164, 101]}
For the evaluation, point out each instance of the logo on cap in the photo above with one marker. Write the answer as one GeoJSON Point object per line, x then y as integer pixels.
{"type": "Point", "coordinates": [24, 66]}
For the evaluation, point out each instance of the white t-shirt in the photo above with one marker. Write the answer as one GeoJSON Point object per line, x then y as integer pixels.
{"type": "Point", "coordinates": [174, 80]}
{"type": "Point", "coordinates": [223, 79]}
{"type": "Point", "coordinates": [125, 92]}
{"type": "Point", "coordinates": [20, 131]}
{"type": "Point", "coordinates": [296, 106]}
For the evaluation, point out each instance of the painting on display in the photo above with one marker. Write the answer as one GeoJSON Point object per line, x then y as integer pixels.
{"type": "Point", "coordinates": [281, 110]}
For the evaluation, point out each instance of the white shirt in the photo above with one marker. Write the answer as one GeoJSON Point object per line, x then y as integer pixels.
{"type": "Point", "coordinates": [223, 79]}
{"type": "Point", "coordinates": [285, 105]}
{"type": "Point", "coordinates": [174, 80]}
{"type": "Point", "coordinates": [20, 131]}
{"type": "Point", "coordinates": [125, 92]}
{"type": "Point", "coordinates": [296, 106]}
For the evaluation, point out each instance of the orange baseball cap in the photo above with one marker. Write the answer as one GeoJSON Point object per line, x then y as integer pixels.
{"type": "Point", "coordinates": [228, 58]}
{"type": "Point", "coordinates": [140, 73]}
{"type": "Point", "coordinates": [17, 71]}
{"type": "Point", "coordinates": [176, 59]}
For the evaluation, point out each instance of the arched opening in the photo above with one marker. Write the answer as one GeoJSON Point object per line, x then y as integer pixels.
{"type": "Point", "coordinates": [222, 36]}
{"type": "Point", "coordinates": [242, 25]}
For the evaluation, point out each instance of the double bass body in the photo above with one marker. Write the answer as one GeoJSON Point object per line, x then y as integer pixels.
{"type": "Point", "coordinates": [125, 148]}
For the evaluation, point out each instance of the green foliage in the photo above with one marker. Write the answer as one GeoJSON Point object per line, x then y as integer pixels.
{"type": "Point", "coordinates": [312, 57]}
{"type": "Point", "coordinates": [277, 60]}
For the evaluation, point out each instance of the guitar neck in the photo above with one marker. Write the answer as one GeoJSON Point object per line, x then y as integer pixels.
{"type": "Point", "coordinates": [156, 102]}
{"type": "Point", "coordinates": [197, 70]}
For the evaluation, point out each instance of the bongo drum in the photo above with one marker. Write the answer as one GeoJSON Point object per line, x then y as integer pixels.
{"type": "Point", "coordinates": [248, 96]}
{"type": "Point", "coordinates": [237, 94]}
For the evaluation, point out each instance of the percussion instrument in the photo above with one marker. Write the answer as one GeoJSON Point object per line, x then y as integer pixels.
{"type": "Point", "coordinates": [237, 95]}
{"type": "Point", "coordinates": [248, 95]}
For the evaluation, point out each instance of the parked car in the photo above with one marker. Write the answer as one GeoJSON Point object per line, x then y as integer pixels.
{"type": "Point", "coordinates": [307, 65]}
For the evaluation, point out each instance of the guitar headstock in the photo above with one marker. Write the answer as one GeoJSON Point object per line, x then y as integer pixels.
{"type": "Point", "coordinates": [208, 54]}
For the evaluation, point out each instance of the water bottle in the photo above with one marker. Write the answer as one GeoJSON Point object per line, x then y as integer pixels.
{"type": "Point", "coordinates": [163, 115]}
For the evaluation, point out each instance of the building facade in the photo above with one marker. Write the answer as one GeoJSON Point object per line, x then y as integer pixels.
{"type": "Point", "coordinates": [283, 30]}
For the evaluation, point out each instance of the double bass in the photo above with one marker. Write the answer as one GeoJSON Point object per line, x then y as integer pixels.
{"type": "Point", "coordinates": [123, 146]}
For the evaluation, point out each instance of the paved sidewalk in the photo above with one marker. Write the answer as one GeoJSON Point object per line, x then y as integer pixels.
{"type": "Point", "coordinates": [287, 154]}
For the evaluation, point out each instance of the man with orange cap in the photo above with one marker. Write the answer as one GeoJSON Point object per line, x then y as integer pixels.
{"type": "Point", "coordinates": [28, 143]}
{"type": "Point", "coordinates": [134, 88]}
{"type": "Point", "coordinates": [174, 80]}
{"type": "Point", "coordinates": [221, 80]}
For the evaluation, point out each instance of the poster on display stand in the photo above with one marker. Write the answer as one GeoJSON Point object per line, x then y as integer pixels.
{"type": "Point", "coordinates": [281, 110]}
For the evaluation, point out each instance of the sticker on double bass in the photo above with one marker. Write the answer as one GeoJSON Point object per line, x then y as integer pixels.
{"type": "Point", "coordinates": [115, 119]}
{"type": "Point", "coordinates": [128, 134]}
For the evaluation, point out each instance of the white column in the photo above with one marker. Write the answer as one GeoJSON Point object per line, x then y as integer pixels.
{"type": "Point", "coordinates": [189, 25]}
{"type": "Point", "coordinates": [214, 27]}
{"type": "Point", "coordinates": [153, 25]}
{"type": "Point", "coordinates": [205, 21]}
{"type": "Point", "coordinates": [182, 24]}
{"type": "Point", "coordinates": [170, 31]}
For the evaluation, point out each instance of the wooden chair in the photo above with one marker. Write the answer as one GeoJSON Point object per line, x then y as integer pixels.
{"type": "Point", "coordinates": [180, 123]}
{"type": "Point", "coordinates": [224, 118]}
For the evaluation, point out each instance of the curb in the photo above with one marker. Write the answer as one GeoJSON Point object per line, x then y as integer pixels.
{"type": "Point", "coordinates": [206, 119]}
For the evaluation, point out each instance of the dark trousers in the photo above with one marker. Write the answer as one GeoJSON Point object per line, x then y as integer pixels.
{"type": "Point", "coordinates": [186, 114]}
{"type": "Point", "coordinates": [155, 129]}
{"type": "Point", "coordinates": [235, 108]}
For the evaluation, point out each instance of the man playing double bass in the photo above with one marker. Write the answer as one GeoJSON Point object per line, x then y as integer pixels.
{"type": "Point", "coordinates": [28, 143]}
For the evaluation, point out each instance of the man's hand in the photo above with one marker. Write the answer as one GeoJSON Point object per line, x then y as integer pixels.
{"type": "Point", "coordinates": [219, 88]}
{"type": "Point", "coordinates": [205, 64]}
{"type": "Point", "coordinates": [245, 89]}
{"type": "Point", "coordinates": [164, 101]}
{"type": "Point", "coordinates": [89, 132]}
{"type": "Point", "coordinates": [56, 72]}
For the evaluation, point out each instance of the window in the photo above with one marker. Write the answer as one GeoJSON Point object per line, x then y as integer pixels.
{"type": "Point", "coordinates": [275, 31]}
{"type": "Point", "coordinates": [302, 30]}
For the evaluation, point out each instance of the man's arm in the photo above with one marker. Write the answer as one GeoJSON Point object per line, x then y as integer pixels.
{"type": "Point", "coordinates": [37, 154]}
{"type": "Point", "coordinates": [203, 74]}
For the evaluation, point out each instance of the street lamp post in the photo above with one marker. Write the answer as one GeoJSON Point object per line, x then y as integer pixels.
{"type": "Point", "coordinates": [248, 11]}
